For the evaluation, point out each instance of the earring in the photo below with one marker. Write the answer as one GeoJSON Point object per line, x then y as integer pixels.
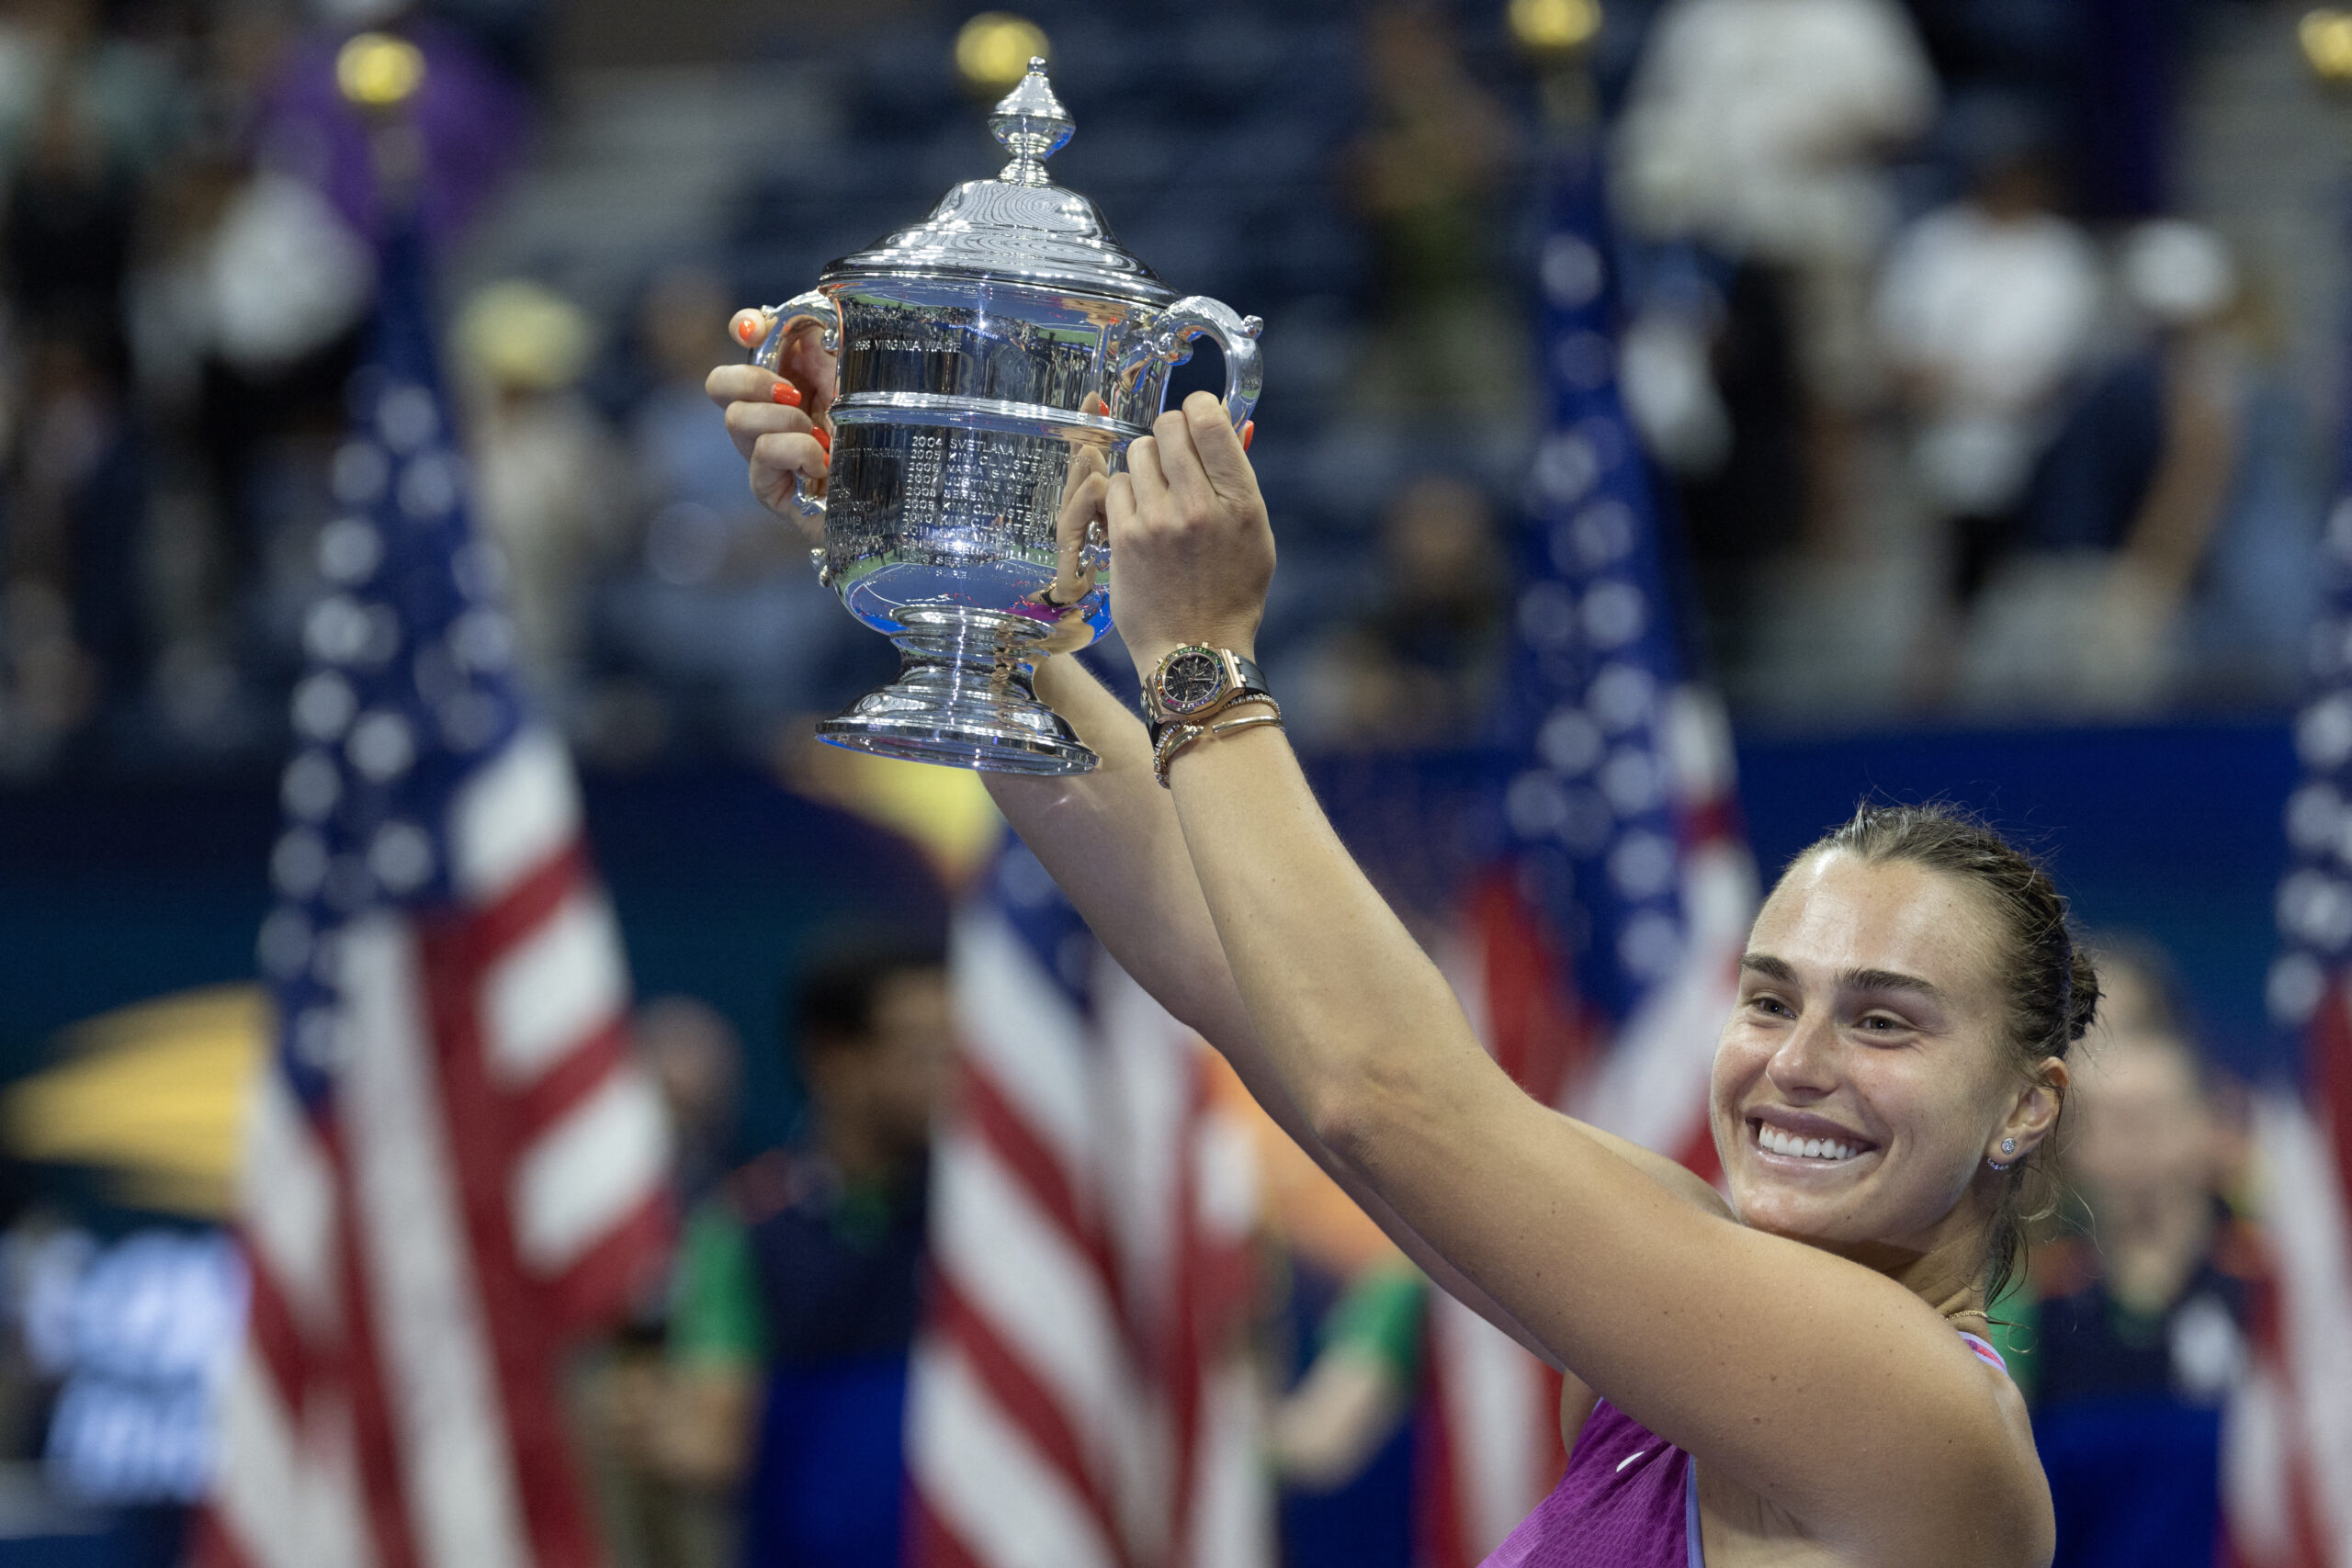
{"type": "Point", "coordinates": [2009, 1146]}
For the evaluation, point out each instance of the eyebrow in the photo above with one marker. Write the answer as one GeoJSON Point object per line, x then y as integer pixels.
{"type": "Point", "coordinates": [1772, 969]}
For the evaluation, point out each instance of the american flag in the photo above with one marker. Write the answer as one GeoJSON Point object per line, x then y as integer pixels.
{"type": "Point", "coordinates": [451, 1164]}
{"type": "Point", "coordinates": [2287, 1456]}
{"type": "Point", "coordinates": [1601, 964]}
{"type": "Point", "coordinates": [1082, 1394]}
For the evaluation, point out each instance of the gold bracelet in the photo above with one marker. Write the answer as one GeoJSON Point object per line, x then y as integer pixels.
{"type": "Point", "coordinates": [1176, 737]}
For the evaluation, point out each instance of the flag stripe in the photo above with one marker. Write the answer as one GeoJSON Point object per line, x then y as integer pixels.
{"type": "Point", "coordinates": [1026, 1402]}
{"type": "Point", "coordinates": [1005, 1257]}
{"type": "Point", "coordinates": [1082, 1396]}
{"type": "Point", "coordinates": [988, 1482]}
{"type": "Point", "coordinates": [442, 1382]}
{"type": "Point", "coordinates": [553, 988]}
{"type": "Point", "coordinates": [513, 816]}
{"type": "Point", "coordinates": [583, 1176]}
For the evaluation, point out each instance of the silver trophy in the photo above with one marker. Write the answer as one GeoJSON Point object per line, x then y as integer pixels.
{"type": "Point", "coordinates": [983, 354]}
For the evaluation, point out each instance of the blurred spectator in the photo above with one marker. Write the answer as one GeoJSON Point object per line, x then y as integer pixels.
{"type": "Point", "coordinates": [659, 1509]}
{"type": "Point", "coordinates": [472, 123]}
{"type": "Point", "coordinates": [69, 614]}
{"type": "Point", "coordinates": [2167, 538]}
{"type": "Point", "coordinates": [1425, 176]}
{"type": "Point", "coordinates": [697, 1064]}
{"type": "Point", "coordinates": [2136, 1335]}
{"type": "Point", "coordinates": [1419, 665]}
{"type": "Point", "coordinates": [547, 486]}
{"type": "Point", "coordinates": [1986, 309]}
{"type": "Point", "coordinates": [1757, 128]}
{"type": "Point", "coordinates": [797, 1296]}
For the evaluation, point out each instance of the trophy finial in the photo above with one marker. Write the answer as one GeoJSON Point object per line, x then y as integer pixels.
{"type": "Point", "coordinates": [1033, 126]}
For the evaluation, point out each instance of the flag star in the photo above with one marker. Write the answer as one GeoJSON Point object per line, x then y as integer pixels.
{"type": "Point", "coordinates": [1641, 866]}
{"type": "Point", "coordinates": [1573, 271]}
{"type": "Point", "coordinates": [349, 551]}
{"type": "Point", "coordinates": [310, 786]}
{"type": "Point", "coordinates": [360, 472]}
{"type": "Point", "coordinates": [1630, 779]}
{"type": "Point", "coordinates": [482, 640]}
{"type": "Point", "coordinates": [1570, 740]}
{"type": "Point", "coordinates": [1567, 468]}
{"type": "Point", "coordinates": [382, 745]}
{"type": "Point", "coordinates": [1616, 613]}
{"type": "Point", "coordinates": [406, 418]}
{"type": "Point", "coordinates": [401, 856]}
{"type": "Point", "coordinates": [2324, 733]}
{"type": "Point", "coordinates": [324, 706]}
{"type": "Point", "coordinates": [299, 863]}
{"type": "Point", "coordinates": [1621, 696]}
{"type": "Point", "coordinates": [428, 488]}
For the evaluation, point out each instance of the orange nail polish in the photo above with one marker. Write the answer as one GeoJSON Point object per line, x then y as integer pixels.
{"type": "Point", "coordinates": [1101, 406]}
{"type": "Point", "coordinates": [823, 440]}
{"type": "Point", "coordinates": [785, 392]}
{"type": "Point", "coordinates": [747, 325]}
{"type": "Point", "coordinates": [1248, 432]}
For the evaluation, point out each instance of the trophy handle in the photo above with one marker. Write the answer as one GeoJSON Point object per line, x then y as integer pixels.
{"type": "Point", "coordinates": [814, 308]}
{"type": "Point", "coordinates": [1237, 335]}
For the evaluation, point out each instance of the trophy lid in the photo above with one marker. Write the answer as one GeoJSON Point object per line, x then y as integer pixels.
{"type": "Point", "coordinates": [1020, 225]}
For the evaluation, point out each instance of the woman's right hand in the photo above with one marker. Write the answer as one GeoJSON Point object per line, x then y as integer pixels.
{"type": "Point", "coordinates": [780, 424]}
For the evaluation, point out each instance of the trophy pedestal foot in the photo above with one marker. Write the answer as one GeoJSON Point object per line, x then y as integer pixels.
{"type": "Point", "coordinates": [963, 700]}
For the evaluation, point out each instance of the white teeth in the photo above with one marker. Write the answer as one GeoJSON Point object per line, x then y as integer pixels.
{"type": "Point", "coordinates": [1780, 1143]}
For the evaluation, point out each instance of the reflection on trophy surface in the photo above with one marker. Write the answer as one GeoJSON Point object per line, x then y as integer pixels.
{"type": "Point", "coordinates": [989, 358]}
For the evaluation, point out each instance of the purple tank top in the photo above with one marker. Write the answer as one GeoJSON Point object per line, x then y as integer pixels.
{"type": "Point", "coordinates": [1629, 1500]}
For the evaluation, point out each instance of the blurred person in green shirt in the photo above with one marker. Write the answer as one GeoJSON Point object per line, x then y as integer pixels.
{"type": "Point", "coordinates": [798, 1291]}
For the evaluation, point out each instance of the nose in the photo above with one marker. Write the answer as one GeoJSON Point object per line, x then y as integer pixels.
{"type": "Point", "coordinates": [1805, 1066]}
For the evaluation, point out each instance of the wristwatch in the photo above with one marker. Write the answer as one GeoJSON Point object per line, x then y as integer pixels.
{"type": "Point", "coordinates": [1195, 681]}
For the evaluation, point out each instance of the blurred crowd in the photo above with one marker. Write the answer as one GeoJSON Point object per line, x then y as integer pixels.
{"type": "Point", "coordinates": [1959, 414]}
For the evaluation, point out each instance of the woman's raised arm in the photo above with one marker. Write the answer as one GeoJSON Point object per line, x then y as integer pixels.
{"type": "Point", "coordinates": [1111, 840]}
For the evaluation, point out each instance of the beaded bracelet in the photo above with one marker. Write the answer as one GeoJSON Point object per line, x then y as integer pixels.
{"type": "Point", "coordinates": [1176, 737]}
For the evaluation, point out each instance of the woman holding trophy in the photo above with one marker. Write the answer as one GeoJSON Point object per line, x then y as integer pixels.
{"type": "Point", "coordinates": [1790, 1376]}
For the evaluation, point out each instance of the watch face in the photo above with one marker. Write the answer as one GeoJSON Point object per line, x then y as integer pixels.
{"type": "Point", "coordinates": [1189, 679]}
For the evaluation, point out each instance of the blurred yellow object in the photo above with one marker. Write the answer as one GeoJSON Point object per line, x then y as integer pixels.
{"type": "Point", "coordinates": [1553, 26]}
{"type": "Point", "coordinates": [947, 810]}
{"type": "Point", "coordinates": [377, 70]}
{"type": "Point", "coordinates": [154, 1093]}
{"type": "Point", "coordinates": [993, 51]}
{"type": "Point", "coordinates": [2326, 37]}
{"type": "Point", "coordinates": [519, 333]}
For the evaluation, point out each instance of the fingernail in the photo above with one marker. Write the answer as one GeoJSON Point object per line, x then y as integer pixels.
{"type": "Point", "coordinates": [1102, 405]}
{"type": "Point", "coordinates": [1249, 431]}
{"type": "Point", "coordinates": [823, 440]}
{"type": "Point", "coordinates": [785, 393]}
{"type": "Point", "coordinates": [748, 326]}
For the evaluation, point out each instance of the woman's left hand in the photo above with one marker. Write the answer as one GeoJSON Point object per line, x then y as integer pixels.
{"type": "Point", "coordinates": [1191, 551]}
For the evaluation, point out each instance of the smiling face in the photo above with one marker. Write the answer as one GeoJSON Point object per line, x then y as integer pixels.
{"type": "Point", "coordinates": [1865, 1076]}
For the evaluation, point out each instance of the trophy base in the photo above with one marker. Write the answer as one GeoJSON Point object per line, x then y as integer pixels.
{"type": "Point", "coordinates": [963, 699]}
